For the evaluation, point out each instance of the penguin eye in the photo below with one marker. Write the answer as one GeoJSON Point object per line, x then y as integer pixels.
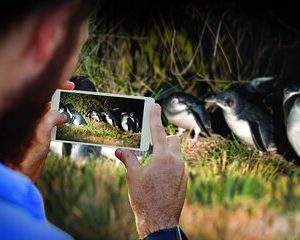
{"type": "Point", "coordinates": [229, 102]}
{"type": "Point", "coordinates": [174, 101]}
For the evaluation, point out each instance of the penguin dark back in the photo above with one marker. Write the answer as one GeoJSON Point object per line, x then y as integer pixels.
{"type": "Point", "coordinates": [83, 83]}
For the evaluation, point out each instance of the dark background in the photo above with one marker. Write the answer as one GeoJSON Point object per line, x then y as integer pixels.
{"type": "Point", "coordinates": [85, 102]}
{"type": "Point", "coordinates": [267, 20]}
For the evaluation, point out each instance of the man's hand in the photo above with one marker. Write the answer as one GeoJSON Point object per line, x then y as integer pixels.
{"type": "Point", "coordinates": [34, 160]}
{"type": "Point", "coordinates": [157, 191]}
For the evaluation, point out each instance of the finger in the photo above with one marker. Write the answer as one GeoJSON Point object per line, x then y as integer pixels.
{"type": "Point", "coordinates": [184, 184]}
{"type": "Point", "coordinates": [68, 85]}
{"type": "Point", "coordinates": [51, 119]}
{"type": "Point", "coordinates": [174, 144]}
{"type": "Point", "coordinates": [158, 133]}
{"type": "Point", "coordinates": [128, 158]}
{"type": "Point", "coordinates": [183, 188]}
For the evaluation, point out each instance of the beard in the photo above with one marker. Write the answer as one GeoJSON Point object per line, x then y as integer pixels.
{"type": "Point", "coordinates": [26, 107]}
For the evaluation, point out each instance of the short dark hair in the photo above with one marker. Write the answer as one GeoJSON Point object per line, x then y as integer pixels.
{"type": "Point", "coordinates": [13, 12]}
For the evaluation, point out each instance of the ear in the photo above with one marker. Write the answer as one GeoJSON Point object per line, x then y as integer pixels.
{"type": "Point", "coordinates": [48, 31]}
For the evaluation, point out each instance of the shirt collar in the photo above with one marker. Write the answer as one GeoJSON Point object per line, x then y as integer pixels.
{"type": "Point", "coordinates": [19, 190]}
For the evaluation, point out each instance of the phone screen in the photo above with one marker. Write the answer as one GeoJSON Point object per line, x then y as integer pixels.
{"type": "Point", "coordinates": [99, 119]}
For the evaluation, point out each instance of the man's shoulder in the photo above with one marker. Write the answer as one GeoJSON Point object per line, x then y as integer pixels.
{"type": "Point", "coordinates": [17, 189]}
{"type": "Point", "coordinates": [17, 224]}
{"type": "Point", "coordinates": [22, 210]}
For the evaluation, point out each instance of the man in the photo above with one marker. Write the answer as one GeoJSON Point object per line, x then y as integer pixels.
{"type": "Point", "coordinates": [39, 45]}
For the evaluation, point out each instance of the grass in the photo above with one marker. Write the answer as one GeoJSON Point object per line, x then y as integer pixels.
{"type": "Point", "coordinates": [89, 200]}
{"type": "Point", "coordinates": [227, 177]}
{"type": "Point", "coordinates": [98, 133]}
{"type": "Point", "coordinates": [233, 192]}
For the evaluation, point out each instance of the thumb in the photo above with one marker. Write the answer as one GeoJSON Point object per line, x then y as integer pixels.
{"type": "Point", "coordinates": [128, 158]}
{"type": "Point", "coordinates": [50, 120]}
{"type": "Point", "coordinates": [68, 85]}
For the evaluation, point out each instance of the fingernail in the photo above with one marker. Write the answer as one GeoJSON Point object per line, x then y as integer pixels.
{"type": "Point", "coordinates": [118, 153]}
{"type": "Point", "coordinates": [72, 85]}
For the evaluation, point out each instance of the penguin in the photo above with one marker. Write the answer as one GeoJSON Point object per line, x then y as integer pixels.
{"type": "Point", "coordinates": [74, 151]}
{"type": "Point", "coordinates": [137, 122]}
{"type": "Point", "coordinates": [129, 122]}
{"type": "Point", "coordinates": [111, 118]}
{"type": "Point", "coordinates": [81, 151]}
{"type": "Point", "coordinates": [76, 117]}
{"type": "Point", "coordinates": [291, 109]}
{"type": "Point", "coordinates": [63, 109]}
{"type": "Point", "coordinates": [202, 117]}
{"type": "Point", "coordinates": [94, 114]}
{"type": "Point", "coordinates": [290, 94]}
{"type": "Point", "coordinates": [56, 147]}
{"type": "Point", "coordinates": [259, 85]}
{"type": "Point", "coordinates": [83, 83]}
{"type": "Point", "coordinates": [259, 91]}
{"type": "Point", "coordinates": [249, 123]}
{"type": "Point", "coordinates": [187, 113]}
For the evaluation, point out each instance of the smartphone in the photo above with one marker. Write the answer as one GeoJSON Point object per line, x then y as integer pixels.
{"type": "Point", "coordinates": [103, 119]}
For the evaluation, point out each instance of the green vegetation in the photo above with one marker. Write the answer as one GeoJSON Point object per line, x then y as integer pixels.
{"type": "Point", "coordinates": [89, 199]}
{"type": "Point", "coordinates": [99, 133]}
{"type": "Point", "coordinates": [233, 192]}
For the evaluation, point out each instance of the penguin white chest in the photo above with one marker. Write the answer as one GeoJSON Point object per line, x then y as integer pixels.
{"type": "Point", "coordinates": [56, 147]}
{"type": "Point", "coordinates": [124, 123]}
{"type": "Point", "coordinates": [182, 119]}
{"type": "Point", "coordinates": [76, 152]}
{"type": "Point", "coordinates": [96, 118]}
{"type": "Point", "coordinates": [76, 122]}
{"type": "Point", "coordinates": [109, 120]}
{"type": "Point", "coordinates": [240, 128]}
{"type": "Point", "coordinates": [293, 129]}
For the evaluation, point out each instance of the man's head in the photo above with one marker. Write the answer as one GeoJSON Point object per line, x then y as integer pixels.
{"type": "Point", "coordinates": [39, 45]}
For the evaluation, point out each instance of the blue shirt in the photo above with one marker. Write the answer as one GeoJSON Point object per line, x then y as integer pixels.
{"type": "Point", "coordinates": [22, 214]}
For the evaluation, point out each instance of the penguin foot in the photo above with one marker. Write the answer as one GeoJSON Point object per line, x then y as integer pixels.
{"type": "Point", "coordinates": [191, 140]}
{"type": "Point", "coordinates": [272, 149]}
{"type": "Point", "coordinates": [261, 154]}
{"type": "Point", "coordinates": [180, 131]}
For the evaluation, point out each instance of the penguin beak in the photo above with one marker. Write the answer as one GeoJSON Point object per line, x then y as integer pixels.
{"type": "Point", "coordinates": [217, 101]}
{"type": "Point", "coordinates": [211, 100]}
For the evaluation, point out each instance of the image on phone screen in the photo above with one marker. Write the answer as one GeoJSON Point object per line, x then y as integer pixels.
{"type": "Point", "coordinates": [99, 119]}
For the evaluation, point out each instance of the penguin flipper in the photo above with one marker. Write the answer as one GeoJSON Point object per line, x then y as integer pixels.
{"type": "Point", "coordinates": [131, 126]}
{"type": "Point", "coordinates": [256, 136]}
{"type": "Point", "coordinates": [195, 111]}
